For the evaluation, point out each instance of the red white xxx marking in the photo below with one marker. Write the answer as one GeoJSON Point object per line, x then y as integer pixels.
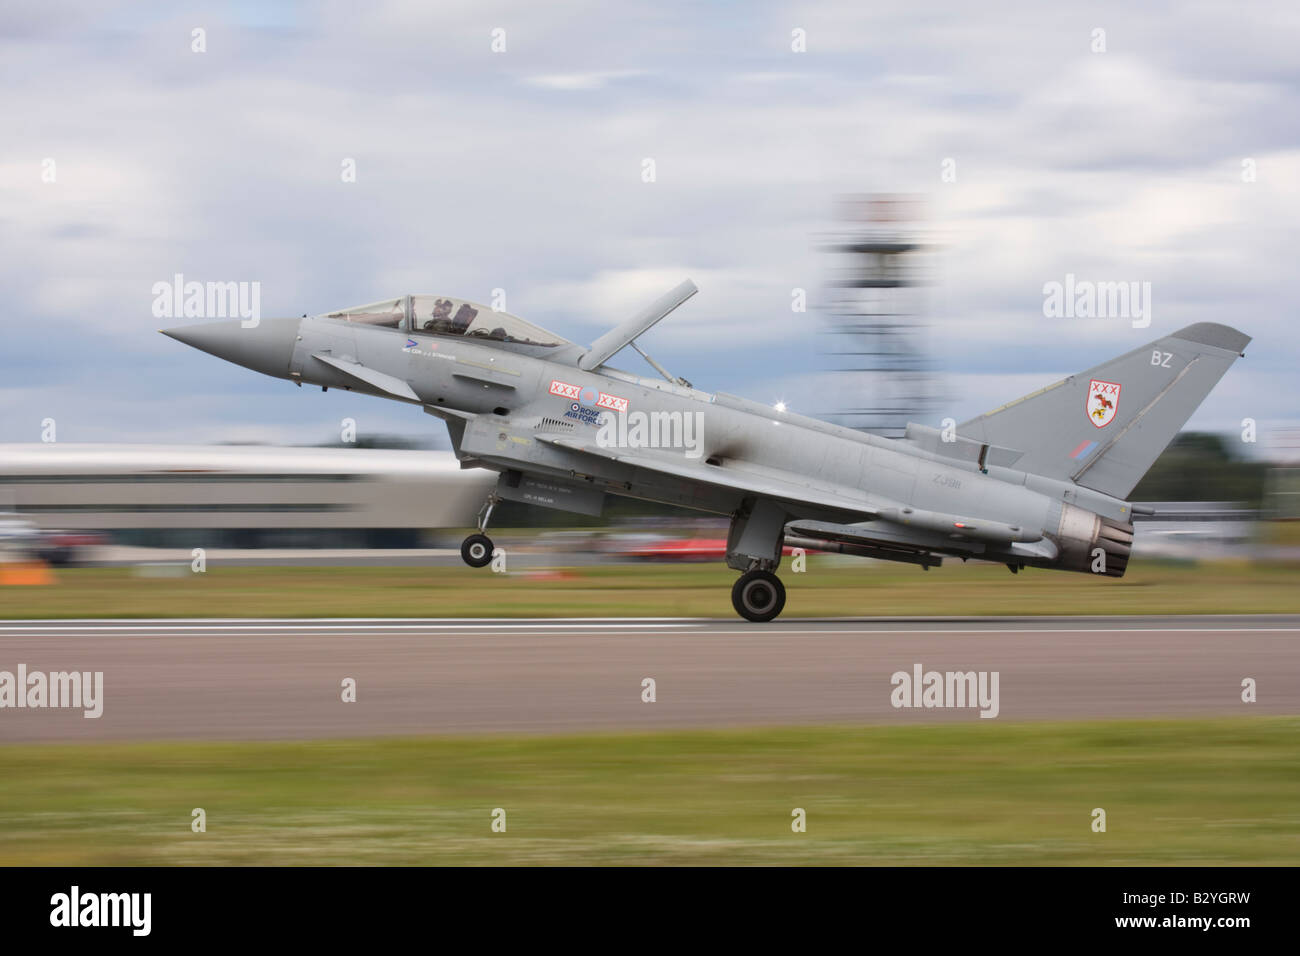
{"type": "Point", "coordinates": [603, 399]}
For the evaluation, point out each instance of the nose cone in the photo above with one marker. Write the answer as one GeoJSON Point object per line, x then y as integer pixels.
{"type": "Point", "coordinates": [266, 347]}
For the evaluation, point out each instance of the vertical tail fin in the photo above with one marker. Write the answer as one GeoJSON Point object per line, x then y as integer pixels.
{"type": "Point", "coordinates": [1104, 428]}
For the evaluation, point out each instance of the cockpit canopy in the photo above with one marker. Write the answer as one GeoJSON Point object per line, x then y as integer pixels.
{"type": "Point", "coordinates": [443, 315]}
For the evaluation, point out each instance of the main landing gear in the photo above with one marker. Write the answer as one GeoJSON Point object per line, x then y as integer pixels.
{"type": "Point", "coordinates": [476, 550]}
{"type": "Point", "coordinates": [758, 595]}
{"type": "Point", "coordinates": [754, 548]}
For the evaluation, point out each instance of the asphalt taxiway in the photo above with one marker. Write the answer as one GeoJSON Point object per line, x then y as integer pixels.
{"type": "Point", "coordinates": [277, 678]}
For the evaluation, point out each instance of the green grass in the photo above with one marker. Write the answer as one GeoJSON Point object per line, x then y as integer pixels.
{"type": "Point", "coordinates": [693, 590]}
{"type": "Point", "coordinates": [1175, 792]}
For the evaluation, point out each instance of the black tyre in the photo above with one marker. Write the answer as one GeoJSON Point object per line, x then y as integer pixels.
{"type": "Point", "coordinates": [758, 596]}
{"type": "Point", "coordinates": [476, 550]}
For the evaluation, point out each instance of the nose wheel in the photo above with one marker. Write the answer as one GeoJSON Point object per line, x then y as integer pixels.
{"type": "Point", "coordinates": [476, 550]}
{"type": "Point", "coordinates": [758, 596]}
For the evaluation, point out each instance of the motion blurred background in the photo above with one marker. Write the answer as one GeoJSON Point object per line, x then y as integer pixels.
{"type": "Point", "coordinates": [872, 201]}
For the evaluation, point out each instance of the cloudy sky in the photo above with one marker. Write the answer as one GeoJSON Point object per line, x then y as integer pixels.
{"type": "Point", "coordinates": [522, 170]}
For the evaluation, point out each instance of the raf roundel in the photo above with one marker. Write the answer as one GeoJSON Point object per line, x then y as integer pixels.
{"type": "Point", "coordinates": [1102, 402]}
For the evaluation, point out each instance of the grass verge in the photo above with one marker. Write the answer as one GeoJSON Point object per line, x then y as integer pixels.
{"type": "Point", "coordinates": [1218, 792]}
{"type": "Point", "coordinates": [693, 590]}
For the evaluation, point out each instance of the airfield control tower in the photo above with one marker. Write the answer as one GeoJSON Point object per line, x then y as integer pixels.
{"type": "Point", "coordinates": [880, 376]}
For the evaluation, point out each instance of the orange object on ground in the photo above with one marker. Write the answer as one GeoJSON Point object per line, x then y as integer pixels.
{"type": "Point", "coordinates": [26, 572]}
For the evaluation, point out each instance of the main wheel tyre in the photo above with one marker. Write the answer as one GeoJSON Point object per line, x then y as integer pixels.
{"type": "Point", "coordinates": [476, 550]}
{"type": "Point", "coordinates": [758, 596]}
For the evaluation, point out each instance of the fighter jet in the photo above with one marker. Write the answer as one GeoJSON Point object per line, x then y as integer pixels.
{"type": "Point", "coordinates": [1041, 481]}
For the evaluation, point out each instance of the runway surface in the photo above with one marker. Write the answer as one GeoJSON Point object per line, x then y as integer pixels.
{"type": "Point", "coordinates": [262, 679]}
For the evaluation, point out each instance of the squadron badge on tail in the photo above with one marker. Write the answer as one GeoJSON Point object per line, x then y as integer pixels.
{"type": "Point", "coordinates": [1103, 402]}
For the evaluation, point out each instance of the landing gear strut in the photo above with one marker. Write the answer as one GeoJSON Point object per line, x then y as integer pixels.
{"type": "Point", "coordinates": [754, 548]}
{"type": "Point", "coordinates": [476, 550]}
{"type": "Point", "coordinates": [758, 595]}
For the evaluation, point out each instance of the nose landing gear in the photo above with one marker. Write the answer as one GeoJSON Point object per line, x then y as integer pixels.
{"type": "Point", "coordinates": [476, 550]}
{"type": "Point", "coordinates": [758, 596]}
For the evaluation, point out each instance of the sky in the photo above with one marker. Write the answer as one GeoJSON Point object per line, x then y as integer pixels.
{"type": "Point", "coordinates": [1155, 143]}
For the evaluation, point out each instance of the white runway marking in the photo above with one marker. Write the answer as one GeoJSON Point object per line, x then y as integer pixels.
{"type": "Point", "coordinates": [314, 628]}
{"type": "Point", "coordinates": [487, 626]}
{"type": "Point", "coordinates": [351, 621]}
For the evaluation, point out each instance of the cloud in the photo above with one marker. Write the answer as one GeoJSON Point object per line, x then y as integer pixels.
{"type": "Point", "coordinates": [577, 82]}
{"type": "Point", "coordinates": [522, 171]}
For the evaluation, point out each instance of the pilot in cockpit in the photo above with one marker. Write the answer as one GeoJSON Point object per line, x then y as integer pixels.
{"type": "Point", "coordinates": [440, 319]}
{"type": "Point", "coordinates": [464, 316]}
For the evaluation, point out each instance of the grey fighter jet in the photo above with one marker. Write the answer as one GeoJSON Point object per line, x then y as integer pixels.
{"type": "Point", "coordinates": [1041, 481]}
